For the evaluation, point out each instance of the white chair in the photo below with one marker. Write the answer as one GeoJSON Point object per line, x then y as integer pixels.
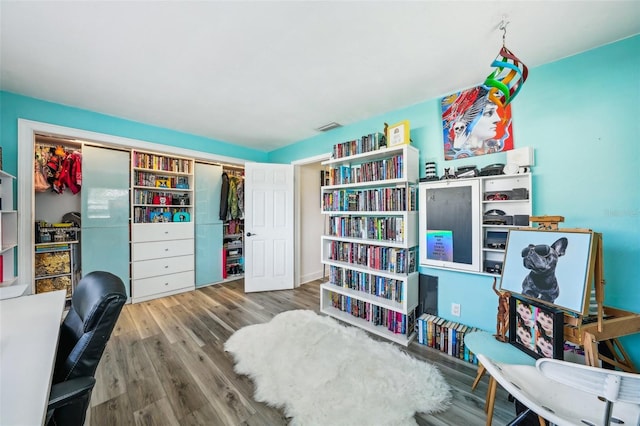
{"type": "Point", "coordinates": [613, 386]}
{"type": "Point", "coordinates": [569, 394]}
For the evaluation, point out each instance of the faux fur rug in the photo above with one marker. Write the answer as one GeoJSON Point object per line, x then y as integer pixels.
{"type": "Point", "coordinates": [325, 373]}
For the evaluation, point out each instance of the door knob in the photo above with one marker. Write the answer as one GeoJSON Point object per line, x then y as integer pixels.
{"type": "Point", "coordinates": [249, 234]}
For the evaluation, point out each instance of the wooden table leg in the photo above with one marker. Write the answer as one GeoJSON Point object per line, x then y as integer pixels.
{"type": "Point", "coordinates": [491, 398]}
{"type": "Point", "coordinates": [481, 371]}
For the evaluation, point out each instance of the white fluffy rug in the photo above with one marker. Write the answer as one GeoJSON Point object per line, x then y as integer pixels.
{"type": "Point", "coordinates": [325, 373]}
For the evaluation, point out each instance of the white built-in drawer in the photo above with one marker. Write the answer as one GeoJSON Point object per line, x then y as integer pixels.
{"type": "Point", "coordinates": [161, 249]}
{"type": "Point", "coordinates": [143, 232]}
{"type": "Point", "coordinates": [155, 267]}
{"type": "Point", "coordinates": [157, 285]}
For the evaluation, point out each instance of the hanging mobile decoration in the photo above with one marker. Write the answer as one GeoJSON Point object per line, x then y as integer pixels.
{"type": "Point", "coordinates": [510, 74]}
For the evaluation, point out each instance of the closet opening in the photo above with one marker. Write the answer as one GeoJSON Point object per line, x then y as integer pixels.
{"type": "Point", "coordinates": [232, 216]}
{"type": "Point", "coordinates": [57, 204]}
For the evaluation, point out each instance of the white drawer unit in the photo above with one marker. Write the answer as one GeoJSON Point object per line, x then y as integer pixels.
{"type": "Point", "coordinates": [163, 266]}
{"type": "Point", "coordinates": [161, 249]}
{"type": "Point", "coordinates": [144, 232]}
{"type": "Point", "coordinates": [163, 259]}
{"type": "Point", "coordinates": [162, 285]}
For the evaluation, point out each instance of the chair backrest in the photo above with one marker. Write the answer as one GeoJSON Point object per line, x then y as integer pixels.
{"type": "Point", "coordinates": [615, 386]}
{"type": "Point", "coordinates": [95, 307]}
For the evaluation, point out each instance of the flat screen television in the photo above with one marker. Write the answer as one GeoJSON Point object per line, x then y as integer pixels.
{"type": "Point", "coordinates": [449, 224]}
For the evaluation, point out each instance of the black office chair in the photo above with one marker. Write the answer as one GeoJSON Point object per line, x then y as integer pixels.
{"type": "Point", "coordinates": [95, 307]}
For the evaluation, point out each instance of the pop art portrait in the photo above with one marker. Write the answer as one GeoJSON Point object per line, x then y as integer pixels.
{"type": "Point", "coordinates": [474, 125]}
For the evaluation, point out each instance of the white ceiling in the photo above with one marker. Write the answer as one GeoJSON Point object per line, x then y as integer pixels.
{"type": "Point", "coordinates": [266, 74]}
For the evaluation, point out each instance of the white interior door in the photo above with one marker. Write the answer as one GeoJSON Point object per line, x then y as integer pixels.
{"type": "Point", "coordinates": [269, 230]}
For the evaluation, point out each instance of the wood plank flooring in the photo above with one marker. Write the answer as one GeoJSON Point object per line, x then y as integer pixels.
{"type": "Point", "coordinates": [165, 364]}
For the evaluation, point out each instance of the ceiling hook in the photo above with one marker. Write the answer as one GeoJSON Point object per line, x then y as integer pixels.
{"type": "Point", "coordinates": [503, 27]}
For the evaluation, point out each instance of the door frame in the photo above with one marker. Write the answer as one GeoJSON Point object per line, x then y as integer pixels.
{"type": "Point", "coordinates": [27, 130]}
{"type": "Point", "coordinates": [297, 190]}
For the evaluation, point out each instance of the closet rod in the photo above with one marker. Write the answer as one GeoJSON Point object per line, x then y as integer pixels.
{"type": "Point", "coordinates": [49, 145]}
{"type": "Point", "coordinates": [230, 166]}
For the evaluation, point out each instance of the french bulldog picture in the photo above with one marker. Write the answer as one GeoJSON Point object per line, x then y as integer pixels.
{"type": "Point", "coordinates": [542, 259]}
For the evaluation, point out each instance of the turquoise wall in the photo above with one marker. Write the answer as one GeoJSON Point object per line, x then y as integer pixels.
{"type": "Point", "coordinates": [581, 116]}
{"type": "Point", "coordinates": [14, 106]}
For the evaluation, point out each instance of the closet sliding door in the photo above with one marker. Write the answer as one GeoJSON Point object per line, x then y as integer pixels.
{"type": "Point", "coordinates": [105, 212]}
{"type": "Point", "coordinates": [208, 226]}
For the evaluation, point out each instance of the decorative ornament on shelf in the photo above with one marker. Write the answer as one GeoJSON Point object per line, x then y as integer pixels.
{"type": "Point", "coordinates": [509, 75]}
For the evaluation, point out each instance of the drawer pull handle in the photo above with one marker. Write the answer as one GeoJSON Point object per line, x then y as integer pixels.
{"type": "Point", "coordinates": [166, 266]}
{"type": "Point", "coordinates": [166, 249]}
{"type": "Point", "coordinates": [166, 283]}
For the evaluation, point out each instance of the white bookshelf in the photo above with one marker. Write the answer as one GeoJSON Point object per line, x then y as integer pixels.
{"type": "Point", "coordinates": [9, 285]}
{"type": "Point", "coordinates": [370, 201]}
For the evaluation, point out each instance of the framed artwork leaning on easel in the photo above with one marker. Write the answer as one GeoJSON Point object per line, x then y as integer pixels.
{"type": "Point", "coordinates": [562, 269]}
{"type": "Point", "coordinates": [553, 267]}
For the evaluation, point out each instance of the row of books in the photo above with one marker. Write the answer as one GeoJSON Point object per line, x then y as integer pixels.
{"type": "Point", "coordinates": [366, 143]}
{"type": "Point", "coordinates": [160, 162]}
{"type": "Point", "coordinates": [386, 288]}
{"type": "Point", "coordinates": [390, 259]}
{"type": "Point", "coordinates": [152, 197]}
{"type": "Point", "coordinates": [160, 214]}
{"type": "Point", "coordinates": [396, 322]}
{"type": "Point", "coordinates": [445, 335]}
{"type": "Point", "coordinates": [371, 227]}
{"type": "Point", "coordinates": [153, 180]}
{"type": "Point", "coordinates": [390, 168]}
{"type": "Point", "coordinates": [380, 199]}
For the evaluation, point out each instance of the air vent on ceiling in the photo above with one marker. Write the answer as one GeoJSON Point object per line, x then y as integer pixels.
{"type": "Point", "coordinates": [328, 126]}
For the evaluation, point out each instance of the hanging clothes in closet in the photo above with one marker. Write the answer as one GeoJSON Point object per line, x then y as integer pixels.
{"type": "Point", "coordinates": [240, 192]}
{"type": "Point", "coordinates": [57, 169]}
{"type": "Point", "coordinates": [232, 196]}
{"type": "Point", "coordinates": [224, 196]}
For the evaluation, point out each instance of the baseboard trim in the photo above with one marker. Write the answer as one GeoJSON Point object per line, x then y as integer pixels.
{"type": "Point", "coordinates": [310, 277]}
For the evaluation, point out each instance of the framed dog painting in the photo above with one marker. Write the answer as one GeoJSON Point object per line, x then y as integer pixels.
{"type": "Point", "coordinates": [555, 267]}
{"type": "Point", "coordinates": [536, 329]}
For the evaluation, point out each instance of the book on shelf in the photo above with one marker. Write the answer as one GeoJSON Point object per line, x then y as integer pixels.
{"type": "Point", "coordinates": [452, 338]}
{"type": "Point", "coordinates": [395, 322]}
{"type": "Point", "coordinates": [444, 335]}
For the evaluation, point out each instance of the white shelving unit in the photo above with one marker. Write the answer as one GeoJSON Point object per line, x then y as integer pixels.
{"type": "Point", "coordinates": [371, 242]}
{"type": "Point", "coordinates": [492, 251]}
{"type": "Point", "coordinates": [487, 207]}
{"type": "Point", "coordinates": [233, 247]}
{"type": "Point", "coordinates": [9, 286]}
{"type": "Point", "coordinates": [162, 236]}
{"type": "Point", "coordinates": [55, 267]}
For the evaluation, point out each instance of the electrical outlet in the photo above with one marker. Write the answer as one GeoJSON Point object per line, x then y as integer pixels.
{"type": "Point", "coordinates": [455, 309]}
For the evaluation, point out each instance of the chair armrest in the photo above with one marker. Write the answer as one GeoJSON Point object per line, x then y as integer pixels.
{"type": "Point", "coordinates": [65, 392]}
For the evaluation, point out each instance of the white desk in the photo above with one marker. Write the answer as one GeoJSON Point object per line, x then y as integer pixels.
{"type": "Point", "coordinates": [29, 328]}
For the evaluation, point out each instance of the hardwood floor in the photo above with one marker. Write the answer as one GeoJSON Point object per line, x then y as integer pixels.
{"type": "Point", "coordinates": [165, 364]}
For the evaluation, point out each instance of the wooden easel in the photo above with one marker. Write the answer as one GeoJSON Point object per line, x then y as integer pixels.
{"type": "Point", "coordinates": [608, 324]}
